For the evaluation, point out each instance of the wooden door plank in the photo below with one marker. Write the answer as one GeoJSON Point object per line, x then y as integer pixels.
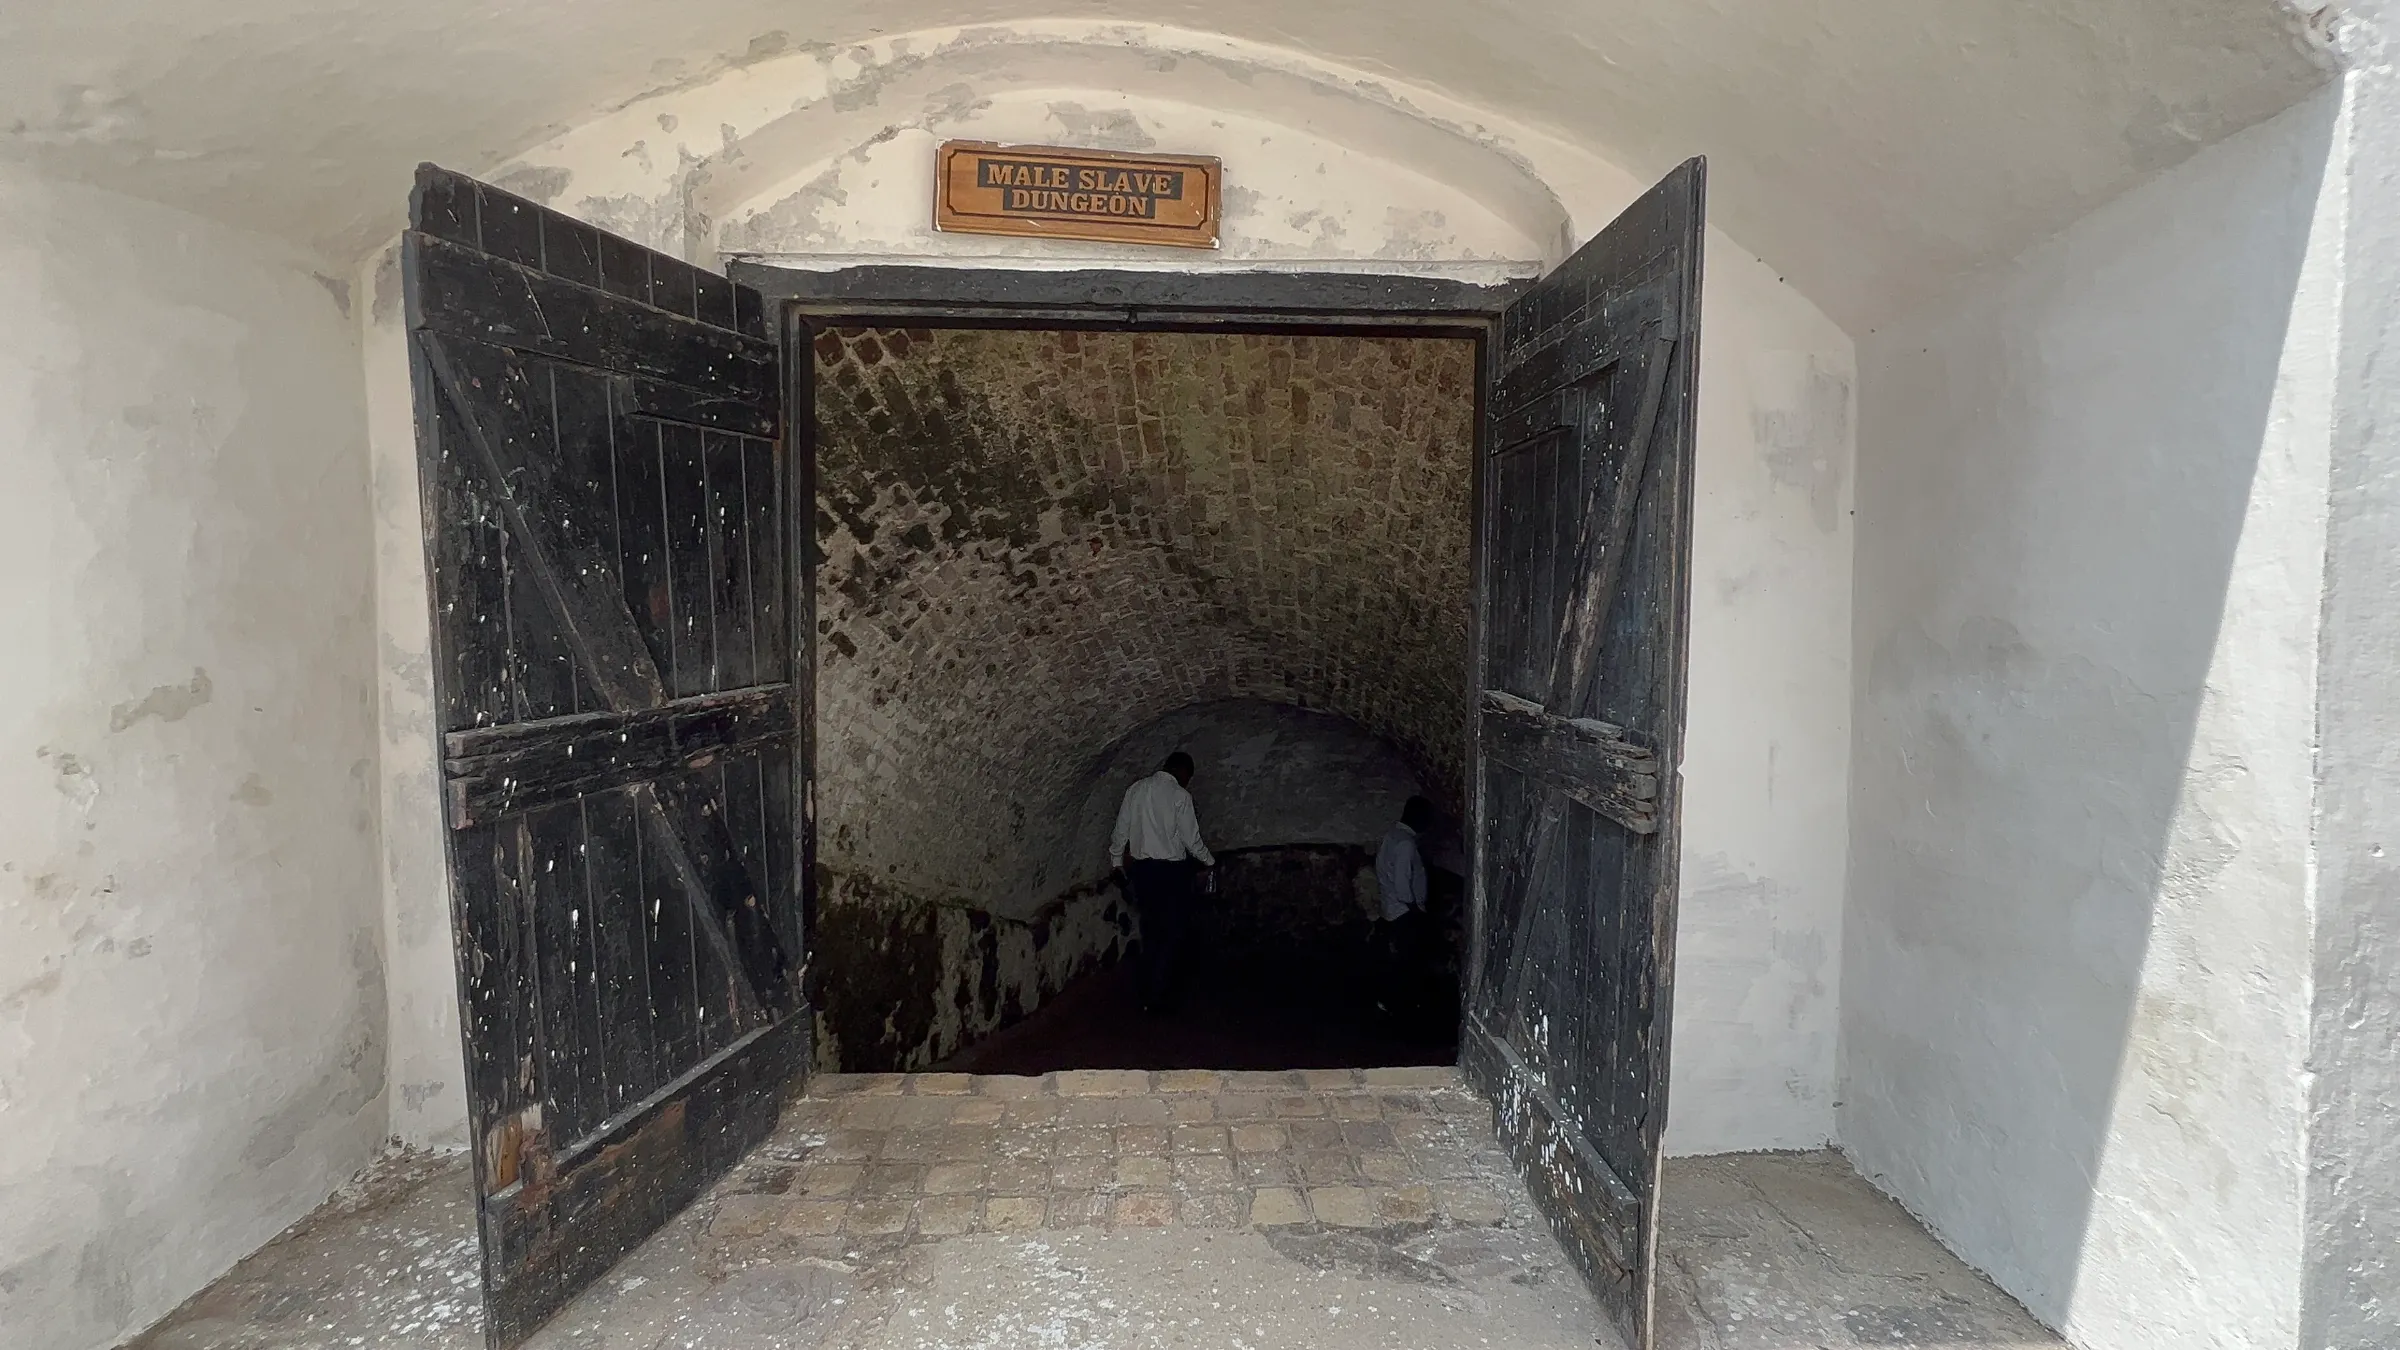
{"type": "Point", "coordinates": [770, 629]}
{"type": "Point", "coordinates": [621, 956]}
{"type": "Point", "coordinates": [1605, 533]}
{"type": "Point", "coordinates": [673, 946]}
{"type": "Point", "coordinates": [642, 537]}
{"type": "Point", "coordinates": [1588, 760]}
{"type": "Point", "coordinates": [560, 900]}
{"type": "Point", "coordinates": [468, 578]}
{"type": "Point", "coordinates": [692, 633]}
{"type": "Point", "coordinates": [730, 599]}
{"type": "Point", "coordinates": [490, 953]}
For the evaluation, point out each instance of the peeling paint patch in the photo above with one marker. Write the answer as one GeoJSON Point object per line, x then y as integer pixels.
{"type": "Point", "coordinates": [335, 287]}
{"type": "Point", "coordinates": [797, 222]}
{"type": "Point", "coordinates": [73, 779]}
{"type": "Point", "coordinates": [654, 223]}
{"type": "Point", "coordinates": [539, 182]}
{"type": "Point", "coordinates": [167, 702]}
{"type": "Point", "coordinates": [1807, 444]}
{"type": "Point", "coordinates": [1415, 233]}
{"type": "Point", "coordinates": [39, 987]}
{"type": "Point", "coordinates": [950, 104]}
{"type": "Point", "coordinates": [386, 305]}
{"type": "Point", "coordinates": [80, 115]}
{"type": "Point", "coordinates": [1108, 129]}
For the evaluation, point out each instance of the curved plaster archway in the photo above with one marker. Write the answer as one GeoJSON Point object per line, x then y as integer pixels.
{"type": "Point", "coordinates": [671, 170]}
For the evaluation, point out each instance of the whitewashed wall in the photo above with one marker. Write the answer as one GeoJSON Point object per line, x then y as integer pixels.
{"type": "Point", "coordinates": [1758, 978]}
{"type": "Point", "coordinates": [2091, 532]}
{"type": "Point", "coordinates": [191, 995]}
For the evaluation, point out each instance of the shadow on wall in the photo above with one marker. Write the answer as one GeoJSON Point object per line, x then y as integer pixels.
{"type": "Point", "coordinates": [2075, 965]}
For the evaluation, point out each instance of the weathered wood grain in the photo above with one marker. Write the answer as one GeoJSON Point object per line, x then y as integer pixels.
{"type": "Point", "coordinates": [568, 1219]}
{"type": "Point", "coordinates": [464, 292]}
{"type": "Point", "coordinates": [1588, 760]}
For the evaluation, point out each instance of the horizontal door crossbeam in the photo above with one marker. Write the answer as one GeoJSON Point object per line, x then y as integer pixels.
{"type": "Point", "coordinates": [493, 772]}
{"type": "Point", "coordinates": [1589, 761]}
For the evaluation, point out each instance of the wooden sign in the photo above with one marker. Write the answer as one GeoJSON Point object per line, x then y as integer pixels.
{"type": "Point", "coordinates": [1048, 193]}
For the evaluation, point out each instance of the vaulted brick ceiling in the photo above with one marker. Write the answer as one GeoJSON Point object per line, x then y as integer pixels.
{"type": "Point", "coordinates": [1035, 543]}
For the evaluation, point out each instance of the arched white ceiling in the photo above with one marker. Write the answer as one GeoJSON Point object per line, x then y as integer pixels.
{"type": "Point", "coordinates": [673, 168]}
{"type": "Point", "coordinates": [1869, 148]}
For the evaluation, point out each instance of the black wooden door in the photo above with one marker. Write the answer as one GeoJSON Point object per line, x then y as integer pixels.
{"type": "Point", "coordinates": [1586, 527]}
{"type": "Point", "coordinates": [619, 586]}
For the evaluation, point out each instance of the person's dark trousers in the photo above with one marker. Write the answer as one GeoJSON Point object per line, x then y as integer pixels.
{"type": "Point", "coordinates": [1162, 900]}
{"type": "Point", "coordinates": [1407, 962]}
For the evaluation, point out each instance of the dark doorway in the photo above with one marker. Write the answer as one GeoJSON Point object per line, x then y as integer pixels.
{"type": "Point", "coordinates": [1049, 557]}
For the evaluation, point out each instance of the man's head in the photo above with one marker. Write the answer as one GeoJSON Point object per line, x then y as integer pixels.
{"type": "Point", "coordinates": [1417, 814]}
{"type": "Point", "coordinates": [1180, 765]}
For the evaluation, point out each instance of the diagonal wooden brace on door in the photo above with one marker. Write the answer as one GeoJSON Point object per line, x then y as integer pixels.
{"type": "Point", "coordinates": [514, 447]}
{"type": "Point", "coordinates": [720, 884]}
{"type": "Point", "coordinates": [557, 530]}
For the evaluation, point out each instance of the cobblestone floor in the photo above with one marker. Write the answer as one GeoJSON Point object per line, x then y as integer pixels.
{"type": "Point", "coordinates": [940, 1154]}
{"type": "Point", "coordinates": [1336, 1210]}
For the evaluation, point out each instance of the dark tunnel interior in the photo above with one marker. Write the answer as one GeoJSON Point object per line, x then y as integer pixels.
{"type": "Point", "coordinates": [1046, 559]}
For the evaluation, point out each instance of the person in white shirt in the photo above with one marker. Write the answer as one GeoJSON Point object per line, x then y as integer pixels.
{"type": "Point", "coordinates": [1400, 862]}
{"type": "Point", "coordinates": [1403, 943]}
{"type": "Point", "coordinates": [1157, 842]}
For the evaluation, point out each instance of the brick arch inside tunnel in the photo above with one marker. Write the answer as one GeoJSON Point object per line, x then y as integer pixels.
{"type": "Point", "coordinates": [1038, 547]}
